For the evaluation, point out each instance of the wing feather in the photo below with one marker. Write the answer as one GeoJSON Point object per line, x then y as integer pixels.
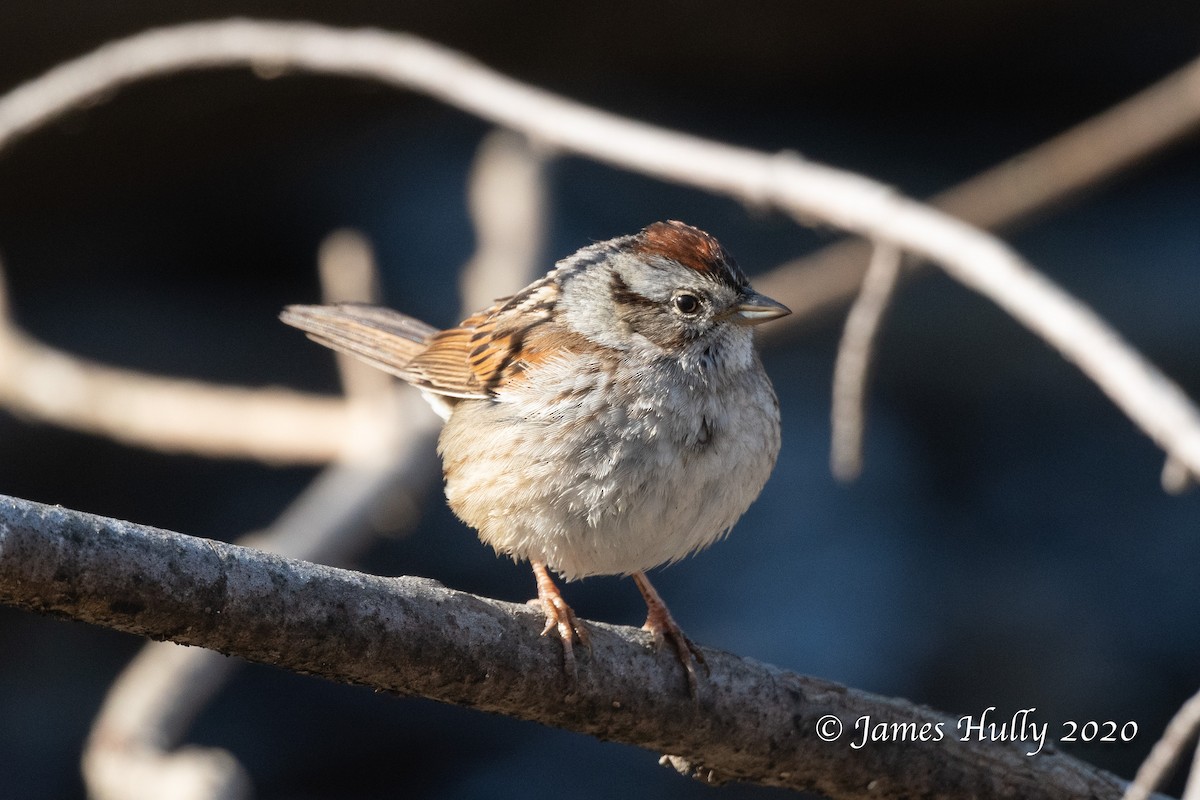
{"type": "Point", "coordinates": [468, 361]}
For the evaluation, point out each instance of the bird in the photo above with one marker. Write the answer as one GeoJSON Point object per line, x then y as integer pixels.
{"type": "Point", "coordinates": [611, 417]}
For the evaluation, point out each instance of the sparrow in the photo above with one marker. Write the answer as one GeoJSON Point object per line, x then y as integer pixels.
{"type": "Point", "coordinates": [611, 417]}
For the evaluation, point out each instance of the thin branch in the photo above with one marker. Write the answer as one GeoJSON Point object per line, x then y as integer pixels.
{"type": "Point", "coordinates": [806, 190]}
{"type": "Point", "coordinates": [1175, 478]}
{"type": "Point", "coordinates": [148, 708]}
{"type": "Point", "coordinates": [508, 197]}
{"type": "Point", "coordinates": [347, 270]}
{"type": "Point", "coordinates": [750, 722]}
{"type": "Point", "coordinates": [1031, 182]}
{"type": "Point", "coordinates": [174, 415]}
{"type": "Point", "coordinates": [853, 363]}
{"type": "Point", "coordinates": [1180, 730]}
{"type": "Point", "coordinates": [1191, 791]}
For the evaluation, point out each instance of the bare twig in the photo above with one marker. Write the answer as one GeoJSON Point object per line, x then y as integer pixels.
{"type": "Point", "coordinates": [507, 198]}
{"type": "Point", "coordinates": [806, 190]}
{"type": "Point", "coordinates": [1180, 730]}
{"type": "Point", "coordinates": [1029, 183]}
{"type": "Point", "coordinates": [1191, 791]}
{"type": "Point", "coordinates": [750, 722]}
{"type": "Point", "coordinates": [853, 363]}
{"type": "Point", "coordinates": [164, 413]}
{"type": "Point", "coordinates": [347, 269]}
{"type": "Point", "coordinates": [147, 710]}
{"type": "Point", "coordinates": [1176, 479]}
{"type": "Point", "coordinates": [174, 415]}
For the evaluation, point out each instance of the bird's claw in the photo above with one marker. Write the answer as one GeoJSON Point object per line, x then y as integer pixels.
{"type": "Point", "coordinates": [662, 626]}
{"type": "Point", "coordinates": [560, 619]}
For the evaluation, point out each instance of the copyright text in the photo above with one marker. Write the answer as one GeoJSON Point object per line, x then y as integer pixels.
{"type": "Point", "coordinates": [1021, 727]}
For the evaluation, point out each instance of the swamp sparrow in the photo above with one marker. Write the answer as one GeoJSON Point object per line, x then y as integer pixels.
{"type": "Point", "coordinates": [610, 417]}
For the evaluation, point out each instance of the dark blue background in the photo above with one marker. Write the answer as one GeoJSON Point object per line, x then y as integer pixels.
{"type": "Point", "coordinates": [1008, 544]}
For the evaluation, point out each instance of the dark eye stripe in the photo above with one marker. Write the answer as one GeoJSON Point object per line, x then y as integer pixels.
{"type": "Point", "coordinates": [624, 296]}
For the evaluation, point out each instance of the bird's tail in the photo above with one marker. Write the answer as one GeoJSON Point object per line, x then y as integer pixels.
{"type": "Point", "coordinates": [385, 339]}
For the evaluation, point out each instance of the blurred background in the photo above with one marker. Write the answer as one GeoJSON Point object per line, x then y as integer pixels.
{"type": "Point", "coordinates": [1008, 544]}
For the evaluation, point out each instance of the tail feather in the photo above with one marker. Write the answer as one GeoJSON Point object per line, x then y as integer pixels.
{"type": "Point", "coordinates": [385, 339]}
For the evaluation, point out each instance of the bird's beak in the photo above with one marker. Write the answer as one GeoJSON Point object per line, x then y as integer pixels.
{"type": "Point", "coordinates": [757, 308]}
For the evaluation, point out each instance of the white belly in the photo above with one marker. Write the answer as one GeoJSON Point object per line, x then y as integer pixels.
{"type": "Point", "coordinates": [592, 488]}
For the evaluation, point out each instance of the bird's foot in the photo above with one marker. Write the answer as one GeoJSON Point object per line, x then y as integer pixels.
{"type": "Point", "coordinates": [662, 626]}
{"type": "Point", "coordinates": [560, 619]}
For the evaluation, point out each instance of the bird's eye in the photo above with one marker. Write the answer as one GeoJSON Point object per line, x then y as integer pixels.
{"type": "Point", "coordinates": [686, 304]}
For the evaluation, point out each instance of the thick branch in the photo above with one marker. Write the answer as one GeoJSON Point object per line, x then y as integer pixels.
{"type": "Point", "coordinates": [405, 635]}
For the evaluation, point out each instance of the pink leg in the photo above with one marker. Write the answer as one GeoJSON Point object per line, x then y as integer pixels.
{"type": "Point", "coordinates": [662, 625]}
{"type": "Point", "coordinates": [559, 616]}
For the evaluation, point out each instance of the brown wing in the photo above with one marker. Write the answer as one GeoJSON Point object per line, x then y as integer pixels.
{"type": "Point", "coordinates": [467, 361]}
{"type": "Point", "coordinates": [487, 348]}
{"type": "Point", "coordinates": [446, 366]}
